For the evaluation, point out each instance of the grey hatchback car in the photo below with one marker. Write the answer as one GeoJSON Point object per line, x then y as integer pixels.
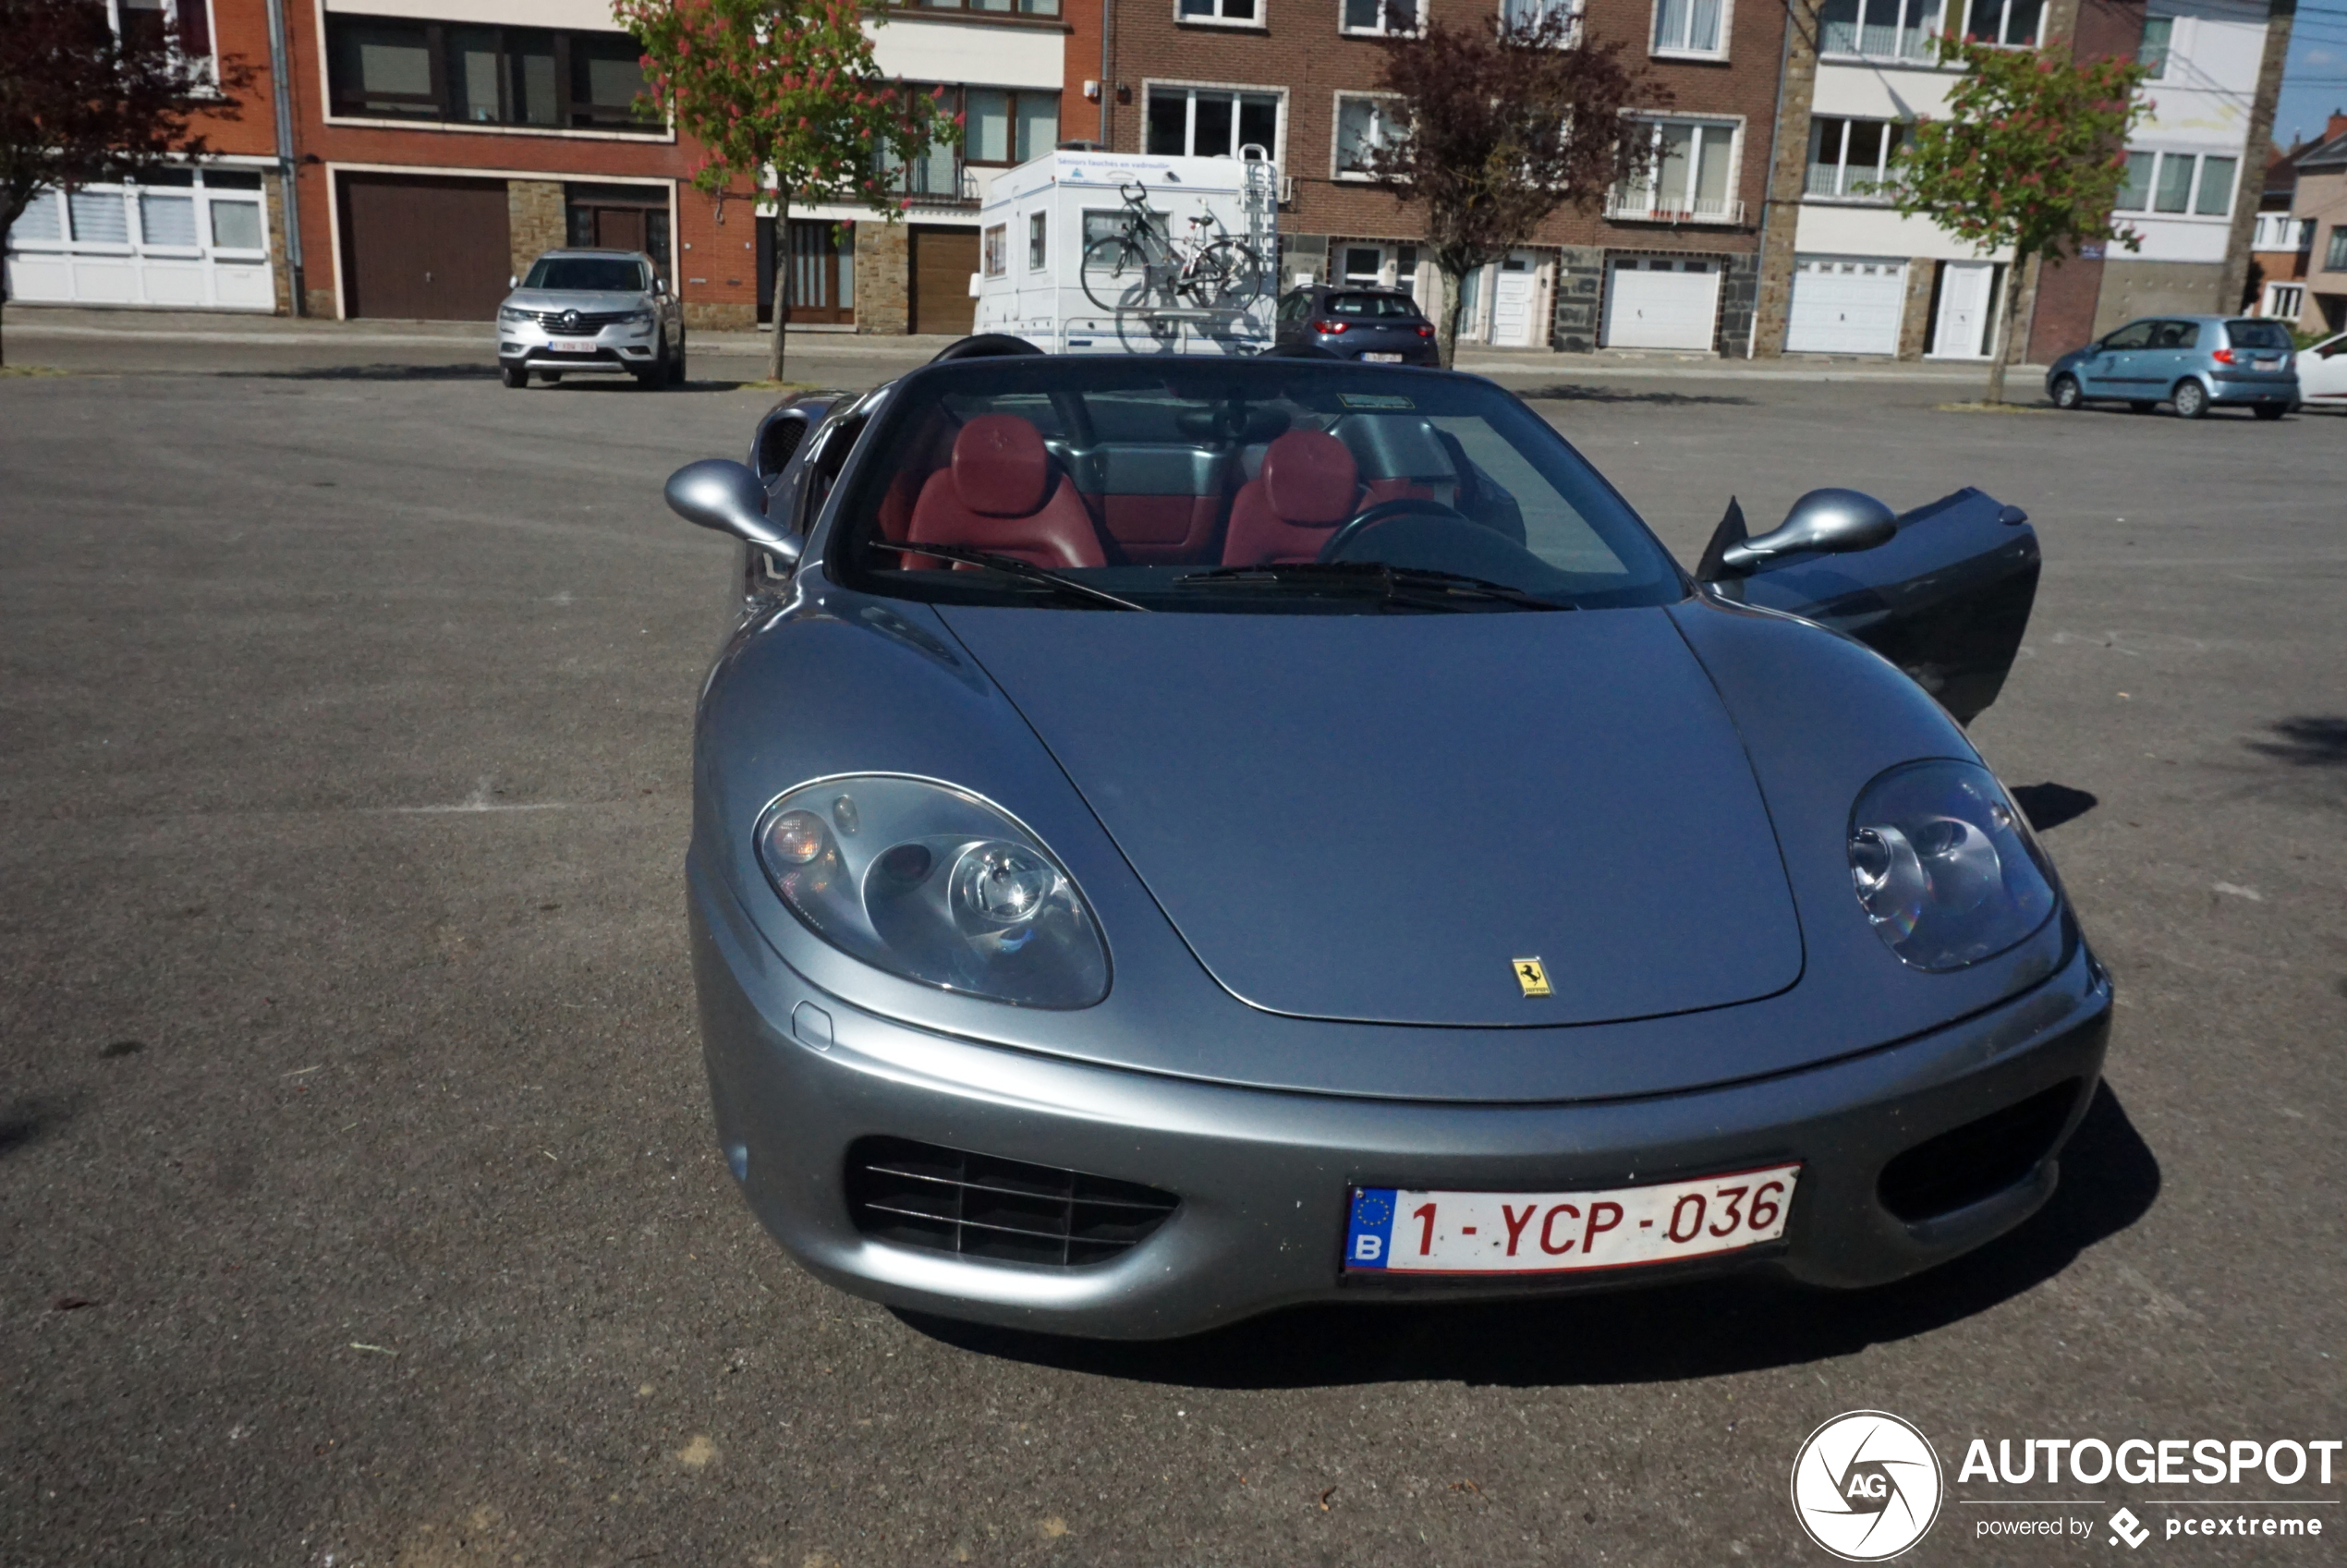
{"type": "Point", "coordinates": [607, 311]}
{"type": "Point", "coordinates": [1380, 325]}
{"type": "Point", "coordinates": [2195, 362]}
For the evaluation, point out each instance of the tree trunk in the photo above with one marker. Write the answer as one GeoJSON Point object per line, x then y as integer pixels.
{"type": "Point", "coordinates": [2007, 310]}
{"type": "Point", "coordinates": [782, 283]}
{"type": "Point", "coordinates": [1446, 331]}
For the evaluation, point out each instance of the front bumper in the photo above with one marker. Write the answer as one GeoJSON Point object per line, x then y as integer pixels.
{"type": "Point", "coordinates": [527, 345]}
{"type": "Point", "coordinates": [1264, 1177]}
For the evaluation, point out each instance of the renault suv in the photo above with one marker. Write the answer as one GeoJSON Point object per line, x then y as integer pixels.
{"type": "Point", "coordinates": [598, 311]}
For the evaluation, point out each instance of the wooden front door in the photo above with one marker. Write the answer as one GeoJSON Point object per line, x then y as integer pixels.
{"type": "Point", "coordinates": [942, 261]}
{"type": "Point", "coordinates": [425, 250]}
{"type": "Point", "coordinates": [821, 278]}
{"type": "Point", "coordinates": [619, 229]}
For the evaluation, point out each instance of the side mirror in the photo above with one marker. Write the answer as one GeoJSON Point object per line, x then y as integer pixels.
{"type": "Point", "coordinates": [1835, 521]}
{"type": "Point", "coordinates": [660, 284]}
{"type": "Point", "coordinates": [720, 494]}
{"type": "Point", "coordinates": [513, 280]}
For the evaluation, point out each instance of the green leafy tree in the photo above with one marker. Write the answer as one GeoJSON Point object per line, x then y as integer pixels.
{"type": "Point", "coordinates": [784, 96]}
{"type": "Point", "coordinates": [79, 105]}
{"type": "Point", "coordinates": [2031, 154]}
{"type": "Point", "coordinates": [1495, 126]}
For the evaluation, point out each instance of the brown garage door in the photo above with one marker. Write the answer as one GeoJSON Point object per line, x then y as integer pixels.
{"type": "Point", "coordinates": [425, 250]}
{"type": "Point", "coordinates": [942, 261]}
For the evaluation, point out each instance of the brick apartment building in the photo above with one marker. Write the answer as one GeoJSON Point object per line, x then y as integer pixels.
{"type": "Point", "coordinates": [434, 148]}
{"type": "Point", "coordinates": [207, 234]}
{"type": "Point", "coordinates": [1671, 264]}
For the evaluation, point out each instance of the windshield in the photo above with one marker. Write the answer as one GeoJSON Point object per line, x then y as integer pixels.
{"type": "Point", "coordinates": [2256, 334]}
{"type": "Point", "coordinates": [1265, 485]}
{"type": "Point", "coordinates": [593, 274]}
{"type": "Point", "coordinates": [1387, 306]}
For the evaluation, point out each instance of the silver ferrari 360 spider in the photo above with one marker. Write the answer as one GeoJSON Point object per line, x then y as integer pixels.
{"type": "Point", "coordinates": [1173, 839]}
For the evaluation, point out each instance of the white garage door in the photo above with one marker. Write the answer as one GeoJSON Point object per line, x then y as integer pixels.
{"type": "Point", "coordinates": [1846, 305]}
{"type": "Point", "coordinates": [1661, 302]}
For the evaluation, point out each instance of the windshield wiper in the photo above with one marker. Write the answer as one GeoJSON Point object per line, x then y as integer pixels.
{"type": "Point", "coordinates": [1401, 585]}
{"type": "Point", "coordinates": [1012, 567]}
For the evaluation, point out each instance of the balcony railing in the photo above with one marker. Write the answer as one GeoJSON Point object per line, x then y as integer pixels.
{"type": "Point", "coordinates": [1643, 207]}
{"type": "Point", "coordinates": [1842, 184]}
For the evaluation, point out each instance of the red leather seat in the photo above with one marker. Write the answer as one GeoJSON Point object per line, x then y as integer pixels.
{"type": "Point", "coordinates": [1002, 492]}
{"type": "Point", "coordinates": [1308, 485]}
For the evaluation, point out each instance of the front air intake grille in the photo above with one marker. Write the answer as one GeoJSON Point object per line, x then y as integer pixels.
{"type": "Point", "coordinates": [922, 1195]}
{"type": "Point", "coordinates": [589, 321]}
{"type": "Point", "coordinates": [1978, 1160]}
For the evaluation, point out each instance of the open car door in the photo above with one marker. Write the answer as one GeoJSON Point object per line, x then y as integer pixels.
{"type": "Point", "coordinates": [1946, 599]}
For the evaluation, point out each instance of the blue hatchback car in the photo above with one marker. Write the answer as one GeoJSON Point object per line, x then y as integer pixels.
{"type": "Point", "coordinates": [2195, 362]}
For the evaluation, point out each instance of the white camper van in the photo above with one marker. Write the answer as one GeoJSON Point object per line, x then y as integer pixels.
{"type": "Point", "coordinates": [1109, 253]}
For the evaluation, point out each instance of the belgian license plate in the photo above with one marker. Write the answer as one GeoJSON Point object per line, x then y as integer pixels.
{"type": "Point", "coordinates": [2268, 360]}
{"type": "Point", "coordinates": [1399, 1231]}
{"type": "Point", "coordinates": [1383, 358]}
{"type": "Point", "coordinates": [574, 346]}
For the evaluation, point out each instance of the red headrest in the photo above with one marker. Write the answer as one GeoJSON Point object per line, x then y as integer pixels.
{"type": "Point", "coordinates": [1308, 477]}
{"type": "Point", "coordinates": [999, 467]}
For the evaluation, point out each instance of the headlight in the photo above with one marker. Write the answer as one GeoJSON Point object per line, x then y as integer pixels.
{"type": "Point", "coordinates": [936, 885]}
{"type": "Point", "coordinates": [638, 317]}
{"type": "Point", "coordinates": [1944, 865]}
{"type": "Point", "coordinates": [508, 313]}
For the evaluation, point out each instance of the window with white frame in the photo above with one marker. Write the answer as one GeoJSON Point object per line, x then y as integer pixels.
{"type": "Point", "coordinates": [2279, 231]}
{"type": "Point", "coordinates": [1223, 12]}
{"type": "Point", "coordinates": [2285, 300]}
{"type": "Point", "coordinates": [1691, 27]}
{"type": "Point", "coordinates": [1207, 122]}
{"type": "Point", "coordinates": [1038, 254]}
{"type": "Point", "coordinates": [1690, 175]}
{"type": "Point", "coordinates": [2159, 32]}
{"type": "Point", "coordinates": [1850, 157]}
{"type": "Point", "coordinates": [994, 249]}
{"type": "Point", "coordinates": [2013, 23]}
{"type": "Point", "coordinates": [1880, 30]}
{"type": "Point", "coordinates": [1527, 13]}
{"type": "Point", "coordinates": [2335, 259]}
{"type": "Point", "coordinates": [2177, 185]}
{"type": "Point", "coordinates": [1379, 17]}
{"type": "Point", "coordinates": [146, 23]}
{"type": "Point", "coordinates": [1363, 127]}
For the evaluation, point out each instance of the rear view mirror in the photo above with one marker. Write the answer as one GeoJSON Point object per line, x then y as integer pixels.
{"type": "Point", "coordinates": [720, 494]}
{"type": "Point", "coordinates": [513, 281]}
{"type": "Point", "coordinates": [1829, 521]}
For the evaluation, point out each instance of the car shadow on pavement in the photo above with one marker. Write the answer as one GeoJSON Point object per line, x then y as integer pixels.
{"type": "Point", "coordinates": [1569, 391]}
{"type": "Point", "coordinates": [2311, 742]}
{"type": "Point", "coordinates": [2110, 1180]}
{"type": "Point", "coordinates": [2048, 806]}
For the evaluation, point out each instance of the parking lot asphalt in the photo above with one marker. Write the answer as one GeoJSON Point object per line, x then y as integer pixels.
{"type": "Point", "coordinates": [358, 1193]}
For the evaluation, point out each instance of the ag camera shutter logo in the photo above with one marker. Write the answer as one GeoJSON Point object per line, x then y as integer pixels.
{"type": "Point", "coordinates": [1866, 1486]}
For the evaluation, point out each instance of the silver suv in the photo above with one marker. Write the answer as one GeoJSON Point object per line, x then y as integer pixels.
{"type": "Point", "coordinates": [607, 311]}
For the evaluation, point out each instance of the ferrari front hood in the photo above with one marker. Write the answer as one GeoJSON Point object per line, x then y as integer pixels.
{"type": "Point", "coordinates": [1382, 818]}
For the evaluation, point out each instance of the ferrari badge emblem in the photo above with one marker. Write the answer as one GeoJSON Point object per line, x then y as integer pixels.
{"type": "Point", "coordinates": [1532, 977]}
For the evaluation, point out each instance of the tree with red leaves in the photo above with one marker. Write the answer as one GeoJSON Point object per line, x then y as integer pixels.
{"type": "Point", "coordinates": [1495, 126]}
{"type": "Point", "coordinates": [79, 105]}
{"type": "Point", "coordinates": [784, 96]}
{"type": "Point", "coordinates": [2031, 154]}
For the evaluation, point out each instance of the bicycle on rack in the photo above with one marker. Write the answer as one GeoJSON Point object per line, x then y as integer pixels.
{"type": "Point", "coordinates": [1140, 267]}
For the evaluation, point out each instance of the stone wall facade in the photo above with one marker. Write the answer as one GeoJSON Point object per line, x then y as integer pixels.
{"type": "Point", "coordinates": [883, 279]}
{"type": "Point", "coordinates": [1915, 312]}
{"type": "Point", "coordinates": [1788, 171]}
{"type": "Point", "coordinates": [1580, 295]}
{"type": "Point", "coordinates": [538, 219]}
{"type": "Point", "coordinates": [1739, 303]}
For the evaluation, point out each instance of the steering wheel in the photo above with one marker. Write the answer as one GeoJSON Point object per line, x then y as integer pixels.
{"type": "Point", "coordinates": [1401, 505]}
